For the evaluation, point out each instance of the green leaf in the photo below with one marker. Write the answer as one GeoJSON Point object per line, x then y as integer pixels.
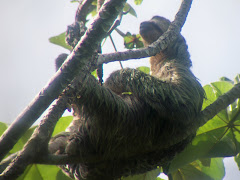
{"type": "Point", "coordinates": [150, 175]}
{"type": "Point", "coordinates": [144, 69]}
{"type": "Point", "coordinates": [237, 79]}
{"type": "Point", "coordinates": [22, 141]}
{"type": "Point", "coordinates": [62, 176]}
{"type": "Point", "coordinates": [197, 171]}
{"type": "Point", "coordinates": [226, 79]}
{"type": "Point", "coordinates": [158, 178]}
{"type": "Point", "coordinates": [3, 127]}
{"type": "Point", "coordinates": [132, 41]}
{"type": "Point", "coordinates": [73, 1]}
{"type": "Point", "coordinates": [139, 43]}
{"type": "Point", "coordinates": [43, 172]}
{"type": "Point", "coordinates": [129, 9]}
{"type": "Point", "coordinates": [237, 160]}
{"type": "Point", "coordinates": [138, 2]}
{"type": "Point", "coordinates": [30, 173]}
{"type": "Point", "coordinates": [94, 73]}
{"type": "Point", "coordinates": [219, 137]}
{"type": "Point", "coordinates": [205, 162]}
{"type": "Point", "coordinates": [94, 11]}
{"type": "Point", "coordinates": [60, 41]}
{"type": "Point", "coordinates": [62, 124]}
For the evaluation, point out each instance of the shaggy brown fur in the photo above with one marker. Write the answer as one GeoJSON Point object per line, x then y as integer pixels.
{"type": "Point", "coordinates": [136, 121]}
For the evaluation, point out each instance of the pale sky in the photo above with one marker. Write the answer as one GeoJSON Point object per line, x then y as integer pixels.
{"type": "Point", "coordinates": [27, 58]}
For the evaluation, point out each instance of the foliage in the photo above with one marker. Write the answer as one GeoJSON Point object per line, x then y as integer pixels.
{"type": "Point", "coordinates": [144, 69]}
{"type": "Point", "coordinates": [138, 2]}
{"type": "Point", "coordinates": [132, 41]}
{"type": "Point", "coordinates": [146, 176]}
{"type": "Point", "coordinates": [129, 9]}
{"type": "Point", "coordinates": [60, 40]}
{"type": "Point", "coordinates": [43, 172]}
{"type": "Point", "coordinates": [219, 137]}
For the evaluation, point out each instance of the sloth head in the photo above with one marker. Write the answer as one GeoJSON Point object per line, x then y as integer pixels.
{"type": "Point", "coordinates": [153, 29]}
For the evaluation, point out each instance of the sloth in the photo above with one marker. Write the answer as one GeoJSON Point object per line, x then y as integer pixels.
{"type": "Point", "coordinates": [135, 122]}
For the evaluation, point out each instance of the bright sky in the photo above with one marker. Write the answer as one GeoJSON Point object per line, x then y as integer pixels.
{"type": "Point", "coordinates": [27, 58]}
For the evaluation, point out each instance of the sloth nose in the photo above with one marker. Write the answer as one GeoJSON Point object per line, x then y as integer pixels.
{"type": "Point", "coordinates": [145, 27]}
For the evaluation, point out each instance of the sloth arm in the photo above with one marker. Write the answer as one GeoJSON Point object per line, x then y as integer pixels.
{"type": "Point", "coordinates": [111, 98]}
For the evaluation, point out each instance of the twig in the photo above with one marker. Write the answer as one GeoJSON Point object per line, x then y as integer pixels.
{"type": "Point", "coordinates": [169, 36]}
{"type": "Point", "coordinates": [116, 24]}
{"type": "Point", "coordinates": [120, 32]}
{"type": "Point", "coordinates": [115, 49]}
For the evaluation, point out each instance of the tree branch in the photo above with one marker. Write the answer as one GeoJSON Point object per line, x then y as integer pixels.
{"type": "Point", "coordinates": [221, 103]}
{"type": "Point", "coordinates": [169, 36]}
{"type": "Point", "coordinates": [73, 64]}
{"type": "Point", "coordinates": [38, 143]}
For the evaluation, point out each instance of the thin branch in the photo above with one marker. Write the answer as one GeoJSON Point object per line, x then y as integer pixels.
{"type": "Point", "coordinates": [115, 49]}
{"type": "Point", "coordinates": [221, 103]}
{"type": "Point", "coordinates": [120, 32]}
{"type": "Point", "coordinates": [116, 24]}
{"type": "Point", "coordinates": [169, 36]}
{"type": "Point", "coordinates": [71, 67]}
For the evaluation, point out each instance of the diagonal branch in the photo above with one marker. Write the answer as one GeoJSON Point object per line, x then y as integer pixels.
{"type": "Point", "coordinates": [73, 64]}
{"type": "Point", "coordinates": [221, 103]}
{"type": "Point", "coordinates": [38, 143]}
{"type": "Point", "coordinates": [169, 36]}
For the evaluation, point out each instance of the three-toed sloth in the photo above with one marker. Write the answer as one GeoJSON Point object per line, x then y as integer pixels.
{"type": "Point", "coordinates": [135, 121]}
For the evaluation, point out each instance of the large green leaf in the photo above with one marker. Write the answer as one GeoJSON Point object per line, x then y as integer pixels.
{"type": "Point", "coordinates": [219, 137]}
{"type": "Point", "coordinates": [22, 141]}
{"type": "Point", "coordinates": [150, 175]}
{"type": "Point", "coordinates": [62, 124]}
{"type": "Point", "coordinates": [237, 79]}
{"type": "Point", "coordinates": [129, 9]}
{"type": "Point", "coordinates": [3, 127]}
{"type": "Point", "coordinates": [197, 171]}
{"type": "Point", "coordinates": [138, 2]}
{"type": "Point", "coordinates": [237, 160]}
{"type": "Point", "coordinates": [60, 41]}
{"type": "Point", "coordinates": [144, 69]}
{"type": "Point", "coordinates": [43, 172]}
